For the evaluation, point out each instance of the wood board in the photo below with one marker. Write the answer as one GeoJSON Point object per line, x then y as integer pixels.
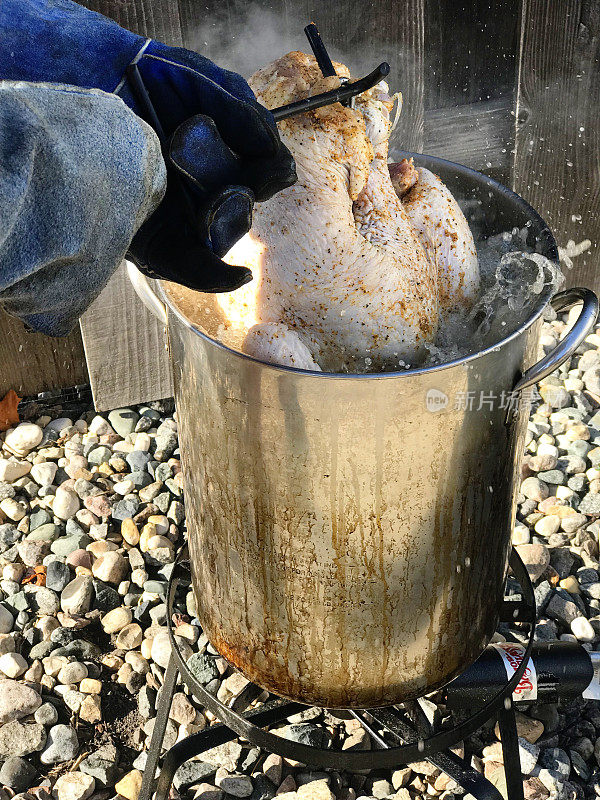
{"type": "Point", "coordinates": [557, 151]}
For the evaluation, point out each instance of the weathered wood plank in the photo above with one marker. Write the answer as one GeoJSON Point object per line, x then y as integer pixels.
{"type": "Point", "coordinates": [557, 157]}
{"type": "Point", "coordinates": [124, 344]}
{"type": "Point", "coordinates": [125, 367]}
{"type": "Point", "coordinates": [32, 363]}
{"type": "Point", "coordinates": [471, 55]}
{"type": "Point", "coordinates": [475, 134]}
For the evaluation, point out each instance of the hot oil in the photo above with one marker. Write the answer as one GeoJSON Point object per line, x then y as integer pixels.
{"type": "Point", "coordinates": [513, 277]}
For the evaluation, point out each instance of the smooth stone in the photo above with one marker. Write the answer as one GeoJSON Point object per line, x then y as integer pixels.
{"type": "Point", "coordinates": [123, 420]}
{"type": "Point", "coordinates": [534, 489]}
{"type": "Point", "coordinates": [65, 545]}
{"type": "Point", "coordinates": [110, 567]}
{"type": "Point", "coordinates": [73, 672]}
{"type": "Point", "coordinates": [62, 745]}
{"type": "Point", "coordinates": [80, 558]}
{"type": "Point", "coordinates": [582, 629]}
{"type": "Point", "coordinates": [130, 784]}
{"type": "Point", "coordinates": [536, 558]}
{"type": "Point", "coordinates": [13, 509]}
{"type": "Point", "coordinates": [12, 665]}
{"type": "Point", "coordinates": [24, 437]}
{"type": "Point", "coordinates": [76, 597]}
{"type": "Point", "coordinates": [44, 473]}
{"type": "Point", "coordinates": [74, 786]}
{"type": "Point", "coordinates": [44, 533]}
{"type": "Point", "coordinates": [13, 470]}
{"type": "Point", "coordinates": [66, 503]}
{"type": "Point", "coordinates": [42, 650]}
{"type": "Point", "coordinates": [58, 575]}
{"type": "Point", "coordinates": [6, 620]}
{"type": "Point", "coordinates": [17, 774]}
{"type": "Point", "coordinates": [116, 619]}
{"type": "Point", "coordinates": [46, 715]}
{"type": "Point", "coordinates": [100, 426]}
{"type": "Point", "coordinates": [129, 637]}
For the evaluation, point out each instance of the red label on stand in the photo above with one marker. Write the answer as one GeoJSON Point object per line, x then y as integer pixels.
{"type": "Point", "coordinates": [512, 655]}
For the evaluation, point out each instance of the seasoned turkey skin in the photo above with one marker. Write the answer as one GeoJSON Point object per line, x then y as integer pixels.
{"type": "Point", "coordinates": [346, 279]}
{"type": "Point", "coordinates": [341, 265]}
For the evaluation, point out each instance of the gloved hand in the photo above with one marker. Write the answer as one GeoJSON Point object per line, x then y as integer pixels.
{"type": "Point", "coordinates": [221, 139]}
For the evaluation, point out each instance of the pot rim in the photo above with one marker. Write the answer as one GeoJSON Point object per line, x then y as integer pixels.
{"type": "Point", "coordinates": [482, 180]}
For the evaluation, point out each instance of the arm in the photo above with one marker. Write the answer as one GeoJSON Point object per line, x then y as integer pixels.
{"type": "Point", "coordinates": [79, 173]}
{"type": "Point", "coordinates": [223, 142]}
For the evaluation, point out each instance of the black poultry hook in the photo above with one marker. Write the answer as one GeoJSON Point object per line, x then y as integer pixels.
{"type": "Point", "coordinates": [345, 92]}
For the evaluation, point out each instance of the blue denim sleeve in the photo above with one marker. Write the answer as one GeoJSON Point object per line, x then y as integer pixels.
{"type": "Point", "coordinates": [79, 173]}
{"type": "Point", "coordinates": [58, 41]}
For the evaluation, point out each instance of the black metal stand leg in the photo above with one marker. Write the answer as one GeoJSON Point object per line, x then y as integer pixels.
{"type": "Point", "coordinates": [510, 753]}
{"type": "Point", "coordinates": [197, 743]}
{"type": "Point", "coordinates": [456, 768]}
{"type": "Point", "coordinates": [158, 732]}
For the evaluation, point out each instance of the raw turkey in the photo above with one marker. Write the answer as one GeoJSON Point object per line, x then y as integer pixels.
{"type": "Point", "coordinates": [353, 265]}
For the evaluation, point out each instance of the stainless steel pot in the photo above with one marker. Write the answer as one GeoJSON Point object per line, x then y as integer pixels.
{"type": "Point", "coordinates": [349, 534]}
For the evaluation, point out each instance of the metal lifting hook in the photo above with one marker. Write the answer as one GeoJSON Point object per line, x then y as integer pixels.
{"type": "Point", "coordinates": [345, 92]}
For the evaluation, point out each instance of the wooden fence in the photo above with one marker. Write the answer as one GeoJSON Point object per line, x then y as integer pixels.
{"type": "Point", "coordinates": [509, 87]}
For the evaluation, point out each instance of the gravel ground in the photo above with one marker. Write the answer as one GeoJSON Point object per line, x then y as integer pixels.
{"type": "Point", "coordinates": [91, 516]}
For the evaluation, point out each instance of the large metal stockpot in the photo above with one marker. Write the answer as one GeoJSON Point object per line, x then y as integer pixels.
{"type": "Point", "coordinates": [349, 534]}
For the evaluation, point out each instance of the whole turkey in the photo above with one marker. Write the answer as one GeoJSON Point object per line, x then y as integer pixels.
{"type": "Point", "coordinates": [356, 264]}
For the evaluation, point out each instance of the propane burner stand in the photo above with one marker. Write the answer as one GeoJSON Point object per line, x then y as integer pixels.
{"type": "Point", "coordinates": [401, 734]}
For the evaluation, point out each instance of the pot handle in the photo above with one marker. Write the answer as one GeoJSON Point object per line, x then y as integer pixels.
{"type": "Point", "coordinates": [144, 291]}
{"type": "Point", "coordinates": [585, 321]}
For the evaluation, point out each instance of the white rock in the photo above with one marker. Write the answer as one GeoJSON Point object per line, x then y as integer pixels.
{"type": "Point", "coordinates": [13, 509]}
{"type": "Point", "coordinates": [161, 649]}
{"type": "Point", "coordinates": [582, 629]}
{"type": "Point", "coordinates": [160, 522]}
{"type": "Point", "coordinates": [158, 542]}
{"type": "Point", "coordinates": [110, 567]}
{"type": "Point", "coordinates": [142, 442]}
{"type": "Point", "coordinates": [24, 438]}
{"type": "Point", "coordinates": [74, 786]}
{"type": "Point", "coordinates": [66, 503]}
{"type": "Point", "coordinates": [76, 597]}
{"type": "Point", "coordinates": [44, 473]}
{"type": "Point", "coordinates": [13, 470]}
{"type": "Point", "coordinates": [100, 426]}
{"type": "Point", "coordinates": [117, 619]}
{"type": "Point", "coordinates": [124, 487]}
{"type": "Point", "coordinates": [73, 672]}
{"type": "Point", "coordinates": [12, 665]}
